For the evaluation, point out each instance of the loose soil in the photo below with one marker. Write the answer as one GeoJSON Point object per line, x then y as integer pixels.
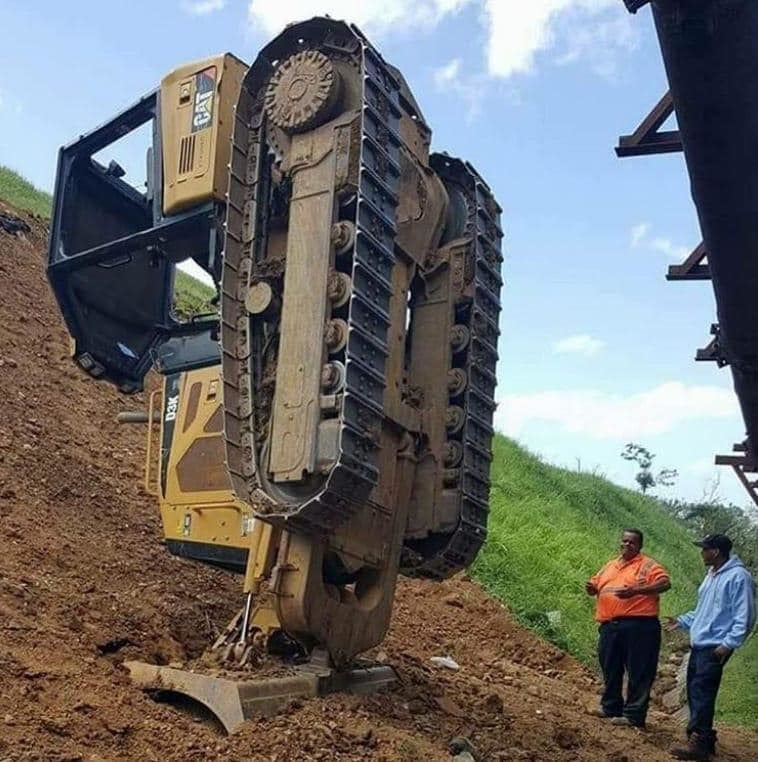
{"type": "Point", "coordinates": [85, 583]}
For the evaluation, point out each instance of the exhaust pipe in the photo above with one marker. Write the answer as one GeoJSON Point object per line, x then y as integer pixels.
{"type": "Point", "coordinates": [137, 416]}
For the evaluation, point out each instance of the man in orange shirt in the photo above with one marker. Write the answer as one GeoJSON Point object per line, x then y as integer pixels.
{"type": "Point", "coordinates": [627, 590]}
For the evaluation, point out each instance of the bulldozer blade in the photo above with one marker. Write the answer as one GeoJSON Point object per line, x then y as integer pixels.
{"type": "Point", "coordinates": [234, 701]}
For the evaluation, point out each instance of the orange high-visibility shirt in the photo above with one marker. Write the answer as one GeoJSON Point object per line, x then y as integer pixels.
{"type": "Point", "coordinates": [618, 574]}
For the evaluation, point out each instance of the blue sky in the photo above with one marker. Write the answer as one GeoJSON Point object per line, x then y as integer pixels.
{"type": "Point", "coordinates": [596, 348]}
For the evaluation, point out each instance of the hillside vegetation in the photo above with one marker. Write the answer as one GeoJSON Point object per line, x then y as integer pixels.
{"type": "Point", "coordinates": [191, 297]}
{"type": "Point", "coordinates": [550, 529]}
{"type": "Point", "coordinates": [22, 194]}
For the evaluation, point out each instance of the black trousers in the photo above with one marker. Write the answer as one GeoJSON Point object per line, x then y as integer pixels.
{"type": "Point", "coordinates": [629, 645]}
{"type": "Point", "coordinates": [703, 680]}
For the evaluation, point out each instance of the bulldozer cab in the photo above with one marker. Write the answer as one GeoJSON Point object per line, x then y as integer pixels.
{"type": "Point", "coordinates": [114, 247]}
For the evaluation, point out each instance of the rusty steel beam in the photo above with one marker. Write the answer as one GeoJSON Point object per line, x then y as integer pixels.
{"type": "Point", "coordinates": [713, 352]}
{"type": "Point", "coordinates": [692, 268]}
{"type": "Point", "coordinates": [710, 51]}
{"type": "Point", "coordinates": [742, 465]}
{"type": "Point", "coordinates": [647, 139]}
{"type": "Point", "coordinates": [634, 5]}
{"type": "Point", "coordinates": [750, 487]}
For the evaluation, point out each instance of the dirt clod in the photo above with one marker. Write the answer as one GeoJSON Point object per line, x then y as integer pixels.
{"type": "Point", "coordinates": [566, 738]}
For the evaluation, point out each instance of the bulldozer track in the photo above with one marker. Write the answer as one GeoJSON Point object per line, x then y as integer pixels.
{"type": "Point", "coordinates": [350, 481]}
{"type": "Point", "coordinates": [477, 357]}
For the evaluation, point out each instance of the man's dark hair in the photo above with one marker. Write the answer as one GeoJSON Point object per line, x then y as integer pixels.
{"type": "Point", "coordinates": [718, 542]}
{"type": "Point", "coordinates": [639, 534]}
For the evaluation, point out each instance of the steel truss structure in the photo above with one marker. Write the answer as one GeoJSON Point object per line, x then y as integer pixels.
{"type": "Point", "coordinates": [710, 51]}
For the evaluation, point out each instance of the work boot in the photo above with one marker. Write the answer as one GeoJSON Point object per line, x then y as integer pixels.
{"type": "Point", "coordinates": [626, 722]}
{"type": "Point", "coordinates": [599, 712]}
{"type": "Point", "coordinates": [695, 748]}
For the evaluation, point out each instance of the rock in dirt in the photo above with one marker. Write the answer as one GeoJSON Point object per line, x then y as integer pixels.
{"type": "Point", "coordinates": [566, 738]}
{"type": "Point", "coordinates": [453, 599]}
{"type": "Point", "coordinates": [448, 706]}
{"type": "Point", "coordinates": [493, 704]}
{"type": "Point", "coordinates": [9, 223]}
{"type": "Point", "coordinates": [446, 662]}
{"type": "Point", "coordinates": [461, 745]}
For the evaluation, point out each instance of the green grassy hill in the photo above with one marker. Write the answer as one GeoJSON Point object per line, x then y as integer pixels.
{"type": "Point", "coordinates": [191, 297]}
{"type": "Point", "coordinates": [22, 194]}
{"type": "Point", "coordinates": [550, 529]}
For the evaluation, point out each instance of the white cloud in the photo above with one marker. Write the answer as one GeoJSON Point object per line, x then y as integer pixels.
{"type": "Point", "coordinates": [599, 43]}
{"type": "Point", "coordinates": [469, 88]}
{"type": "Point", "coordinates": [372, 15]}
{"type": "Point", "coordinates": [581, 344]}
{"type": "Point", "coordinates": [203, 7]}
{"type": "Point", "coordinates": [447, 74]}
{"type": "Point", "coordinates": [516, 30]}
{"type": "Point", "coordinates": [519, 30]}
{"type": "Point", "coordinates": [600, 415]}
{"type": "Point", "coordinates": [669, 248]}
{"type": "Point", "coordinates": [639, 234]}
{"type": "Point", "coordinates": [640, 238]}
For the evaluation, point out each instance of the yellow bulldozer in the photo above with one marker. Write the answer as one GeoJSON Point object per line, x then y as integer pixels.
{"type": "Point", "coordinates": [330, 425]}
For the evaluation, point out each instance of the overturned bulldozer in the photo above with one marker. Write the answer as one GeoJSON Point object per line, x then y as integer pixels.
{"type": "Point", "coordinates": [330, 427]}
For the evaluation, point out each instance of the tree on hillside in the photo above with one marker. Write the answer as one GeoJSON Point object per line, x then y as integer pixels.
{"type": "Point", "coordinates": [645, 476]}
{"type": "Point", "coordinates": [713, 517]}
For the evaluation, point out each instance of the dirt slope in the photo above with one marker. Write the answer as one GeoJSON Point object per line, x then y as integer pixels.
{"type": "Point", "coordinates": [85, 583]}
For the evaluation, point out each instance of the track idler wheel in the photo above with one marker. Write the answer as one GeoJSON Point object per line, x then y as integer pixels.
{"type": "Point", "coordinates": [335, 335]}
{"type": "Point", "coordinates": [339, 288]}
{"type": "Point", "coordinates": [261, 301]}
{"type": "Point", "coordinates": [343, 237]}
{"type": "Point", "coordinates": [333, 377]}
{"type": "Point", "coordinates": [460, 336]}
{"type": "Point", "coordinates": [455, 417]}
{"type": "Point", "coordinates": [456, 381]}
{"type": "Point", "coordinates": [452, 454]}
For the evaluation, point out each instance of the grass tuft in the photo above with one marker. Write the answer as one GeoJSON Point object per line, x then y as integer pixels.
{"type": "Point", "coordinates": [18, 191]}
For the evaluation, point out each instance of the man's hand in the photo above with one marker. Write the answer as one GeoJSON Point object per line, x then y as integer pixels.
{"type": "Point", "coordinates": [628, 592]}
{"type": "Point", "coordinates": [590, 588]}
{"type": "Point", "coordinates": [671, 624]}
{"type": "Point", "coordinates": [722, 653]}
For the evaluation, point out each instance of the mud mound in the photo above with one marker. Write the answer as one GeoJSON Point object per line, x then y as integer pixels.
{"type": "Point", "coordinates": [85, 583]}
